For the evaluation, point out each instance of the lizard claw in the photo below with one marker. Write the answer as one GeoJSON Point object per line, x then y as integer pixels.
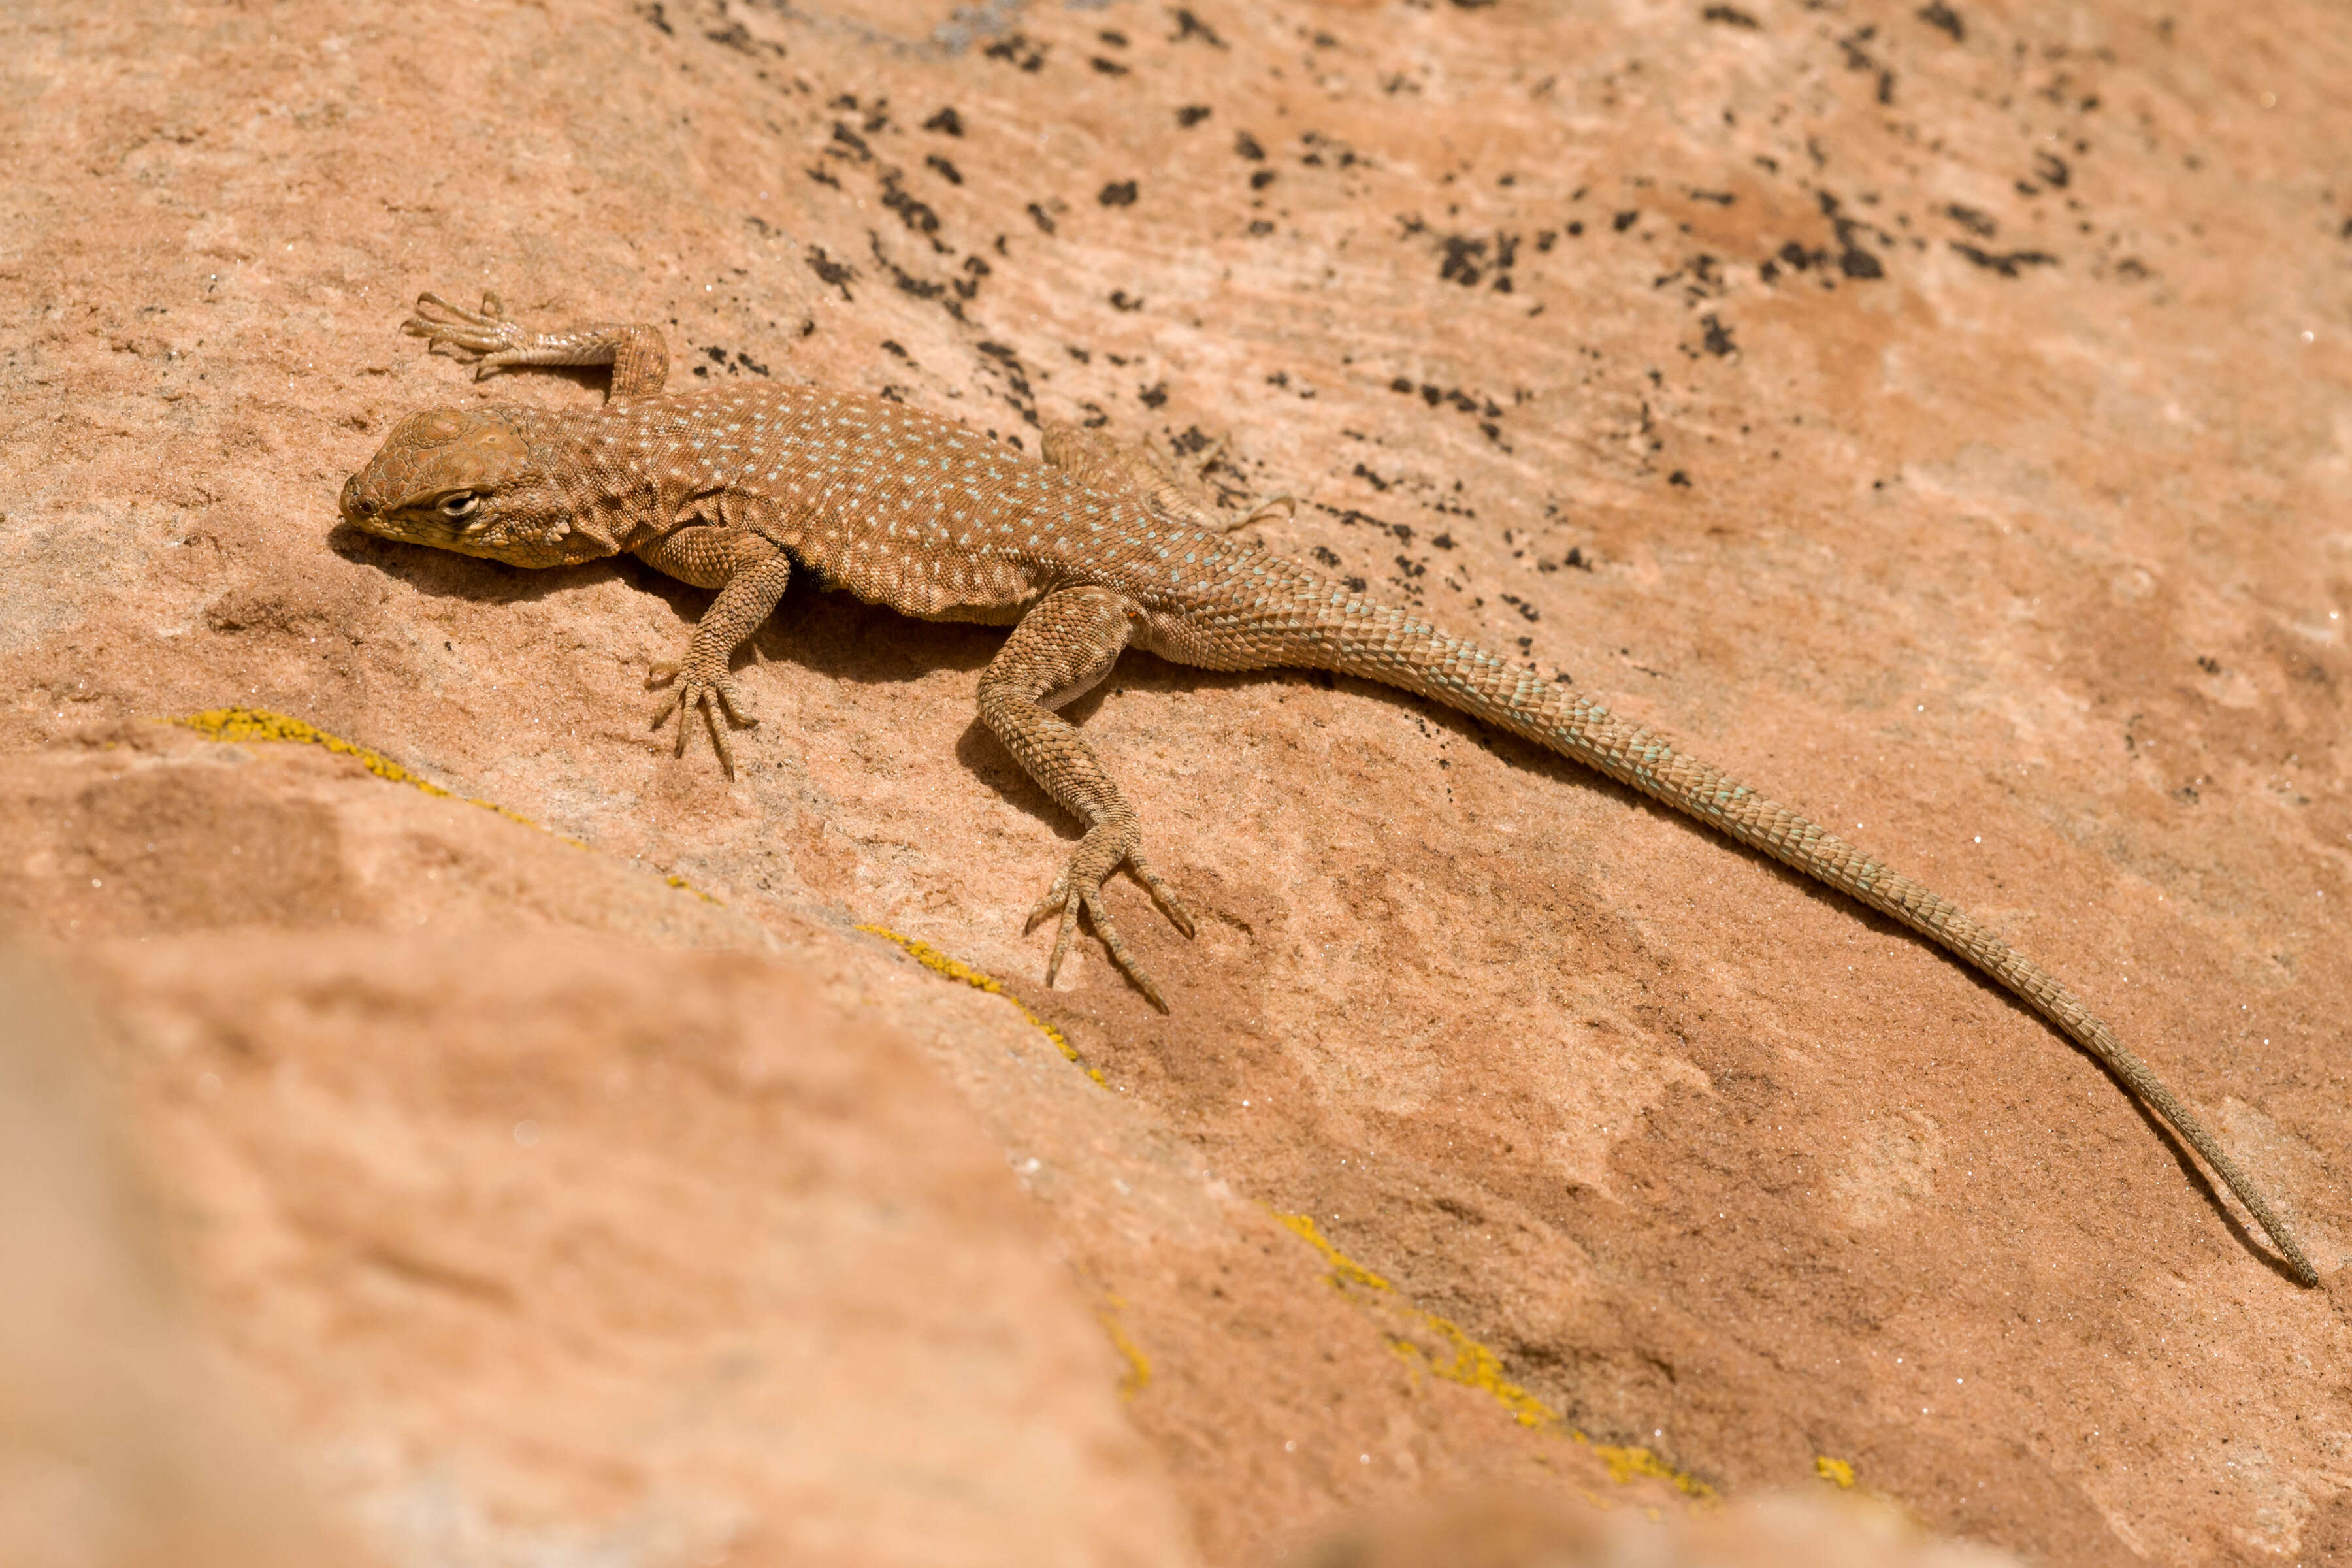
{"type": "Point", "coordinates": [711, 693]}
{"type": "Point", "coordinates": [488, 339]}
{"type": "Point", "coordinates": [1106, 846]}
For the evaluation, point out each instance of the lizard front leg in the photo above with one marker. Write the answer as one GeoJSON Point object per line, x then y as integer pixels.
{"type": "Point", "coordinates": [1061, 650]}
{"type": "Point", "coordinates": [490, 340]}
{"type": "Point", "coordinates": [751, 573]}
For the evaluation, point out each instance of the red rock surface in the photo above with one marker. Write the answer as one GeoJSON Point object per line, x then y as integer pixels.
{"type": "Point", "coordinates": [1938, 416]}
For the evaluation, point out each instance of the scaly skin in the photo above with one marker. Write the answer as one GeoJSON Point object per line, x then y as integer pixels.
{"type": "Point", "coordinates": [1096, 551]}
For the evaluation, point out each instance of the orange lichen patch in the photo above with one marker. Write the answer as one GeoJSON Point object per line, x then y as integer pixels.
{"type": "Point", "coordinates": [1440, 1346]}
{"type": "Point", "coordinates": [246, 725]}
{"type": "Point", "coordinates": [932, 959]}
{"type": "Point", "coordinates": [1837, 1472]}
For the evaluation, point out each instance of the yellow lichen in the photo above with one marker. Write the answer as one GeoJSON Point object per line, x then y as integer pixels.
{"type": "Point", "coordinates": [939, 962]}
{"type": "Point", "coordinates": [1837, 1472]}
{"type": "Point", "coordinates": [1443, 1348]}
{"type": "Point", "coordinates": [1343, 1268]}
{"type": "Point", "coordinates": [1625, 1463]}
{"type": "Point", "coordinates": [1138, 1375]}
{"type": "Point", "coordinates": [240, 725]}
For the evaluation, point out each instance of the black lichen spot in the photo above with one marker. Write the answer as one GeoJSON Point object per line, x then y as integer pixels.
{"type": "Point", "coordinates": [1188, 25]}
{"type": "Point", "coordinates": [944, 169]}
{"type": "Point", "coordinates": [1260, 180]}
{"type": "Point", "coordinates": [1729, 16]}
{"type": "Point", "coordinates": [892, 347]}
{"type": "Point", "coordinates": [837, 274]}
{"type": "Point", "coordinates": [1041, 217]}
{"type": "Point", "coordinates": [1527, 611]}
{"type": "Point", "coordinates": [1719, 337]}
{"type": "Point", "coordinates": [1464, 261]}
{"type": "Point", "coordinates": [655, 15]}
{"type": "Point", "coordinates": [946, 122]}
{"type": "Point", "coordinates": [1117, 194]}
{"type": "Point", "coordinates": [2052, 170]}
{"type": "Point", "coordinates": [1153, 397]}
{"type": "Point", "coordinates": [916, 214]}
{"type": "Point", "coordinates": [1679, 478]}
{"type": "Point", "coordinates": [1107, 68]}
{"type": "Point", "coordinates": [2008, 265]}
{"type": "Point", "coordinates": [1326, 555]}
{"type": "Point", "coordinates": [1246, 146]}
{"type": "Point", "coordinates": [2209, 665]}
{"type": "Point", "coordinates": [1625, 220]}
{"type": "Point", "coordinates": [1938, 15]}
{"type": "Point", "coordinates": [1856, 262]}
{"type": "Point", "coordinates": [1121, 300]}
{"type": "Point", "coordinates": [1116, 40]}
{"type": "Point", "coordinates": [1575, 231]}
{"type": "Point", "coordinates": [1015, 49]}
{"type": "Point", "coordinates": [1259, 227]}
{"type": "Point", "coordinates": [1577, 558]}
{"type": "Point", "coordinates": [1191, 114]}
{"type": "Point", "coordinates": [1852, 259]}
{"type": "Point", "coordinates": [1400, 383]}
{"type": "Point", "coordinates": [1975, 222]}
{"type": "Point", "coordinates": [907, 283]}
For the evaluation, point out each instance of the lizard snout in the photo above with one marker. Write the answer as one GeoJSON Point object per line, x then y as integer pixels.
{"type": "Point", "coordinates": [356, 505]}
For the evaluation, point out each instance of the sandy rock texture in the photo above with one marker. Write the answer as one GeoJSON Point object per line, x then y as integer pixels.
{"type": "Point", "coordinates": [1938, 414]}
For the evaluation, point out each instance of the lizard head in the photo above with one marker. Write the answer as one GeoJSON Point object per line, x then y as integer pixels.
{"type": "Point", "coordinates": [467, 480]}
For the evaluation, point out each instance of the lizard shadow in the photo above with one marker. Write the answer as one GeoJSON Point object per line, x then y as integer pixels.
{"type": "Point", "coordinates": [445, 575]}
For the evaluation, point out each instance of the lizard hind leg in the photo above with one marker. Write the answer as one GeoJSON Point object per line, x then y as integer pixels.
{"type": "Point", "coordinates": [1063, 648]}
{"type": "Point", "coordinates": [1154, 475]}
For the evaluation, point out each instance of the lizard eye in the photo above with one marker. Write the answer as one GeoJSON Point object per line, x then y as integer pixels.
{"type": "Point", "coordinates": [460, 505]}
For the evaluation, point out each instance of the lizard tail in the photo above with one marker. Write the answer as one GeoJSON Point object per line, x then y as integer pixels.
{"type": "Point", "coordinates": [1346, 634]}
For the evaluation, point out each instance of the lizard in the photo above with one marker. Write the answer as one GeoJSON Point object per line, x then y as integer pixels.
{"type": "Point", "coordinates": [1091, 552]}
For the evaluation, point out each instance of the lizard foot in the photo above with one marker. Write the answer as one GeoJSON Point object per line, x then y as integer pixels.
{"type": "Point", "coordinates": [487, 339]}
{"type": "Point", "coordinates": [1106, 845]}
{"type": "Point", "coordinates": [711, 693]}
